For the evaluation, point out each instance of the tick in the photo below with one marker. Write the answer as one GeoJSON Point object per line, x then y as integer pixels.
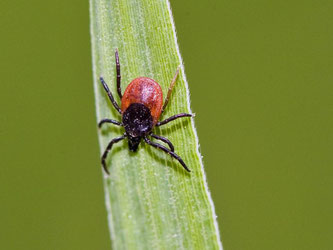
{"type": "Point", "coordinates": [141, 108]}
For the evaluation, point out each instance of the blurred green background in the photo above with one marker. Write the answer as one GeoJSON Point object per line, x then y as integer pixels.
{"type": "Point", "coordinates": [261, 81]}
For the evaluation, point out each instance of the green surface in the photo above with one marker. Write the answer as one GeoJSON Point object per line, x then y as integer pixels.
{"type": "Point", "coordinates": [260, 76]}
{"type": "Point", "coordinates": [153, 203]}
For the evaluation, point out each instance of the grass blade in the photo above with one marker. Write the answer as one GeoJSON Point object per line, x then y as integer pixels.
{"type": "Point", "coordinates": [152, 202]}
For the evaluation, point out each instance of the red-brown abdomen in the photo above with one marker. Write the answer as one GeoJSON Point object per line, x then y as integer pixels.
{"type": "Point", "coordinates": [147, 92]}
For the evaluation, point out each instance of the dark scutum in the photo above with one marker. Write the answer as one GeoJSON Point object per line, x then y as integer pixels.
{"type": "Point", "coordinates": [138, 122]}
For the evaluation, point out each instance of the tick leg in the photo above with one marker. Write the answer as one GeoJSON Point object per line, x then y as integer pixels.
{"type": "Point", "coordinates": [174, 155]}
{"type": "Point", "coordinates": [172, 84]}
{"type": "Point", "coordinates": [174, 117]}
{"type": "Point", "coordinates": [163, 139]}
{"type": "Point", "coordinates": [110, 95]}
{"type": "Point", "coordinates": [107, 150]}
{"type": "Point", "coordinates": [118, 74]}
{"type": "Point", "coordinates": [109, 121]}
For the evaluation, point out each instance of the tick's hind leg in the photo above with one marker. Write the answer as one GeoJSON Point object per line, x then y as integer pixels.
{"type": "Point", "coordinates": [174, 155]}
{"type": "Point", "coordinates": [105, 86]}
{"type": "Point", "coordinates": [174, 117]}
{"type": "Point", "coordinates": [118, 74]}
{"type": "Point", "coordinates": [107, 150]}
{"type": "Point", "coordinates": [172, 84]}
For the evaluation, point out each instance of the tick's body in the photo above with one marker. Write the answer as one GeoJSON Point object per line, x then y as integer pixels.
{"type": "Point", "coordinates": [147, 92]}
{"type": "Point", "coordinates": [141, 108]}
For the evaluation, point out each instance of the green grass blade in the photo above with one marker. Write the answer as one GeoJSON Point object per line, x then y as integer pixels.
{"type": "Point", "coordinates": [152, 202]}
